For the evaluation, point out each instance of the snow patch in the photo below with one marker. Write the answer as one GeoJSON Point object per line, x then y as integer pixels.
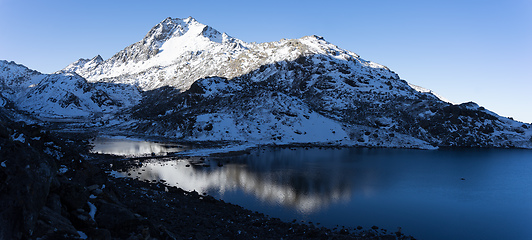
{"type": "Point", "coordinates": [82, 235]}
{"type": "Point", "coordinates": [92, 211]}
{"type": "Point", "coordinates": [63, 169]}
{"type": "Point", "coordinates": [18, 137]}
{"type": "Point", "coordinates": [116, 174]}
{"type": "Point", "coordinates": [424, 90]}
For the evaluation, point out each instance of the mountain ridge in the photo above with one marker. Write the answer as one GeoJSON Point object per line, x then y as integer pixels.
{"type": "Point", "coordinates": [59, 95]}
{"type": "Point", "coordinates": [171, 48]}
{"type": "Point", "coordinates": [189, 81]}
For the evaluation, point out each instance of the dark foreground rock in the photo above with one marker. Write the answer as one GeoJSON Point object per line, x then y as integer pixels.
{"type": "Point", "coordinates": [51, 188]}
{"type": "Point", "coordinates": [48, 190]}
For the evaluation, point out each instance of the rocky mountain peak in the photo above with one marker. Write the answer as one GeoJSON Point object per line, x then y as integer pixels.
{"type": "Point", "coordinates": [176, 27]}
{"type": "Point", "coordinates": [83, 63]}
{"type": "Point", "coordinates": [97, 59]}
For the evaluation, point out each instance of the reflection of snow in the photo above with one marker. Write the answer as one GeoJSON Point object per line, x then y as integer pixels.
{"type": "Point", "coordinates": [306, 194]}
{"type": "Point", "coordinates": [130, 147]}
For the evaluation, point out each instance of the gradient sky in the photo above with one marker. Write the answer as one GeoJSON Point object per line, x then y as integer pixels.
{"type": "Point", "coordinates": [467, 50]}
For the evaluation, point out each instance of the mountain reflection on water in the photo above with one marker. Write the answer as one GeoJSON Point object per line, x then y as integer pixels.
{"type": "Point", "coordinates": [442, 194]}
{"type": "Point", "coordinates": [292, 182]}
{"type": "Point", "coordinates": [132, 147]}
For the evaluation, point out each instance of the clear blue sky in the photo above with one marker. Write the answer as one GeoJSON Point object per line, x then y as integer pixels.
{"type": "Point", "coordinates": [467, 50]}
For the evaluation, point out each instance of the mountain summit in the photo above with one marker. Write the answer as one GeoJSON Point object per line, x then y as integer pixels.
{"type": "Point", "coordinates": [187, 80]}
{"type": "Point", "coordinates": [166, 49]}
{"type": "Point", "coordinates": [177, 52]}
{"type": "Point", "coordinates": [172, 37]}
{"type": "Point", "coordinates": [175, 27]}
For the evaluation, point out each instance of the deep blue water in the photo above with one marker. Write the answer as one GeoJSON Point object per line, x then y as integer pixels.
{"type": "Point", "coordinates": [420, 191]}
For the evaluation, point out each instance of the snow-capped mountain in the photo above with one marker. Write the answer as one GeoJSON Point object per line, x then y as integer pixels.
{"type": "Point", "coordinates": [200, 84]}
{"type": "Point", "coordinates": [177, 52]}
{"type": "Point", "coordinates": [59, 95]}
{"type": "Point", "coordinates": [84, 64]}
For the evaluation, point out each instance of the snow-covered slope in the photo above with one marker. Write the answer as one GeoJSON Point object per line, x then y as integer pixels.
{"type": "Point", "coordinates": [177, 52]}
{"type": "Point", "coordinates": [59, 95]}
{"type": "Point", "coordinates": [312, 105]}
{"type": "Point", "coordinates": [63, 95]}
{"type": "Point", "coordinates": [84, 64]}
{"type": "Point", "coordinates": [424, 90]}
{"type": "Point", "coordinates": [14, 76]}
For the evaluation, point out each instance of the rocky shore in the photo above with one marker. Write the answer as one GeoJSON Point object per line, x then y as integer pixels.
{"type": "Point", "coordinates": [52, 188]}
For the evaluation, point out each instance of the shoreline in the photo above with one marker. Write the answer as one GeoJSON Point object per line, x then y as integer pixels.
{"type": "Point", "coordinates": [159, 203]}
{"type": "Point", "coordinates": [201, 216]}
{"type": "Point", "coordinates": [54, 188]}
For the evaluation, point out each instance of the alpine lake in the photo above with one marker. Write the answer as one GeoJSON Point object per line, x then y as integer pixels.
{"type": "Point", "coordinates": [429, 194]}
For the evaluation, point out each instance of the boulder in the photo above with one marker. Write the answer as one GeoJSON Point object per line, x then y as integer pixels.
{"type": "Point", "coordinates": [52, 224]}
{"type": "Point", "coordinates": [117, 218]}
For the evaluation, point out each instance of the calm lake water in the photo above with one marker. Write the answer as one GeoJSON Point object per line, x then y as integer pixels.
{"type": "Point", "coordinates": [441, 194]}
{"type": "Point", "coordinates": [132, 147]}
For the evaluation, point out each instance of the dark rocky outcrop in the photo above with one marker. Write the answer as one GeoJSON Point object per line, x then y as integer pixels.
{"type": "Point", "coordinates": [26, 176]}
{"type": "Point", "coordinates": [48, 190]}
